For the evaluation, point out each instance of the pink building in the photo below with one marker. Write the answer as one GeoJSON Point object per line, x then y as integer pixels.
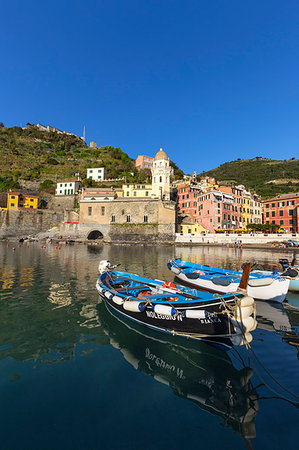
{"type": "Point", "coordinates": [144, 162]}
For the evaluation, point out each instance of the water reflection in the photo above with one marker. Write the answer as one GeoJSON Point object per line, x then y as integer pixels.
{"type": "Point", "coordinates": [197, 372]}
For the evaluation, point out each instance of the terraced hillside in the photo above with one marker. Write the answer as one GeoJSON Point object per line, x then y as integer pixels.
{"type": "Point", "coordinates": [44, 157]}
{"type": "Point", "coordinates": [267, 177]}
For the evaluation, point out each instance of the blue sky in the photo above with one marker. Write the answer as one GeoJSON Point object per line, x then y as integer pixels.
{"type": "Point", "coordinates": [209, 81]}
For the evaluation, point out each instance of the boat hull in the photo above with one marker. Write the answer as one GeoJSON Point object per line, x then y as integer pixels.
{"type": "Point", "coordinates": [294, 283]}
{"type": "Point", "coordinates": [214, 330]}
{"type": "Point", "coordinates": [276, 292]}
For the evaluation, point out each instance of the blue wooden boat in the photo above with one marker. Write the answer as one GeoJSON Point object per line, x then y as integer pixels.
{"type": "Point", "coordinates": [222, 320]}
{"type": "Point", "coordinates": [213, 279]}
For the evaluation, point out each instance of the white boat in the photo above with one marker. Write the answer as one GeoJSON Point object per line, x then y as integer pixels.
{"type": "Point", "coordinates": [289, 271]}
{"type": "Point", "coordinates": [261, 287]}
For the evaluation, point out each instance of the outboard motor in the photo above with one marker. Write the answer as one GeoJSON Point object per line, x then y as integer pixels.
{"type": "Point", "coordinates": [284, 263]}
{"type": "Point", "coordinates": [104, 265]}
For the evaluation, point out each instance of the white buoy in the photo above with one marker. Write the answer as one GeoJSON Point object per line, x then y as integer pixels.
{"type": "Point", "coordinates": [196, 314]}
{"type": "Point", "coordinates": [247, 301]}
{"type": "Point", "coordinates": [134, 306]}
{"type": "Point", "coordinates": [245, 312]}
{"type": "Point", "coordinates": [118, 300]}
{"type": "Point", "coordinates": [165, 310]}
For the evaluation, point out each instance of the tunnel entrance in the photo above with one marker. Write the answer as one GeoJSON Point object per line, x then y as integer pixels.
{"type": "Point", "coordinates": [95, 234]}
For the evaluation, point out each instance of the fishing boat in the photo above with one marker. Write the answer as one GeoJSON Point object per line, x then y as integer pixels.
{"type": "Point", "coordinates": [221, 320]}
{"type": "Point", "coordinates": [260, 287]}
{"type": "Point", "coordinates": [215, 381]}
{"type": "Point", "coordinates": [287, 270]}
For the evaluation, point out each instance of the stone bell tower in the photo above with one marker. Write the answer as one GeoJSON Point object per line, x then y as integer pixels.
{"type": "Point", "coordinates": [161, 172]}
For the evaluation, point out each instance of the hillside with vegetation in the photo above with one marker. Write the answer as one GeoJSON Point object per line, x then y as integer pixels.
{"type": "Point", "coordinates": [43, 158]}
{"type": "Point", "coordinates": [267, 177]}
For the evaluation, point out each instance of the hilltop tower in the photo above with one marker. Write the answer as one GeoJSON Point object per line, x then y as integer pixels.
{"type": "Point", "coordinates": [161, 172]}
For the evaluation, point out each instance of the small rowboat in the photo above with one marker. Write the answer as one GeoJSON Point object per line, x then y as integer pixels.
{"type": "Point", "coordinates": [212, 279]}
{"type": "Point", "coordinates": [223, 321]}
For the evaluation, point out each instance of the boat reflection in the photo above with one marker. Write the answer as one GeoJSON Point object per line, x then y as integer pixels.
{"type": "Point", "coordinates": [196, 371]}
{"type": "Point", "coordinates": [283, 319]}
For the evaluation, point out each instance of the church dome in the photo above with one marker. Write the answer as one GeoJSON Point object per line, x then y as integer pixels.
{"type": "Point", "coordinates": [161, 155]}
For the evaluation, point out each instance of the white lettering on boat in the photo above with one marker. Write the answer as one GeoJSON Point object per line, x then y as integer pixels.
{"type": "Point", "coordinates": [154, 315]}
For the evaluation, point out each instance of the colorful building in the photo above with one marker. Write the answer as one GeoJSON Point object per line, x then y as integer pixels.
{"type": "Point", "coordinates": [144, 162]}
{"type": "Point", "coordinates": [283, 210]}
{"type": "Point", "coordinates": [19, 200]}
{"type": "Point", "coordinates": [137, 190]}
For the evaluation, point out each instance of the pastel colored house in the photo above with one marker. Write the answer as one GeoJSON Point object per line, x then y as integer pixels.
{"type": "Point", "coordinates": [283, 210]}
{"type": "Point", "coordinates": [137, 190]}
{"type": "Point", "coordinates": [97, 173]}
{"type": "Point", "coordinates": [144, 162]}
{"type": "Point", "coordinates": [68, 187]}
{"type": "Point", "coordinates": [20, 200]}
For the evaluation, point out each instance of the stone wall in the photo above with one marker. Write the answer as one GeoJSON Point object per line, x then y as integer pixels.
{"type": "Point", "coordinates": [146, 233]}
{"type": "Point", "coordinates": [22, 223]}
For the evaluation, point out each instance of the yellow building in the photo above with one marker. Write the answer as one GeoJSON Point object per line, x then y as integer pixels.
{"type": "Point", "coordinates": [188, 225]}
{"type": "Point", "coordinates": [137, 190]}
{"type": "Point", "coordinates": [246, 208]}
{"type": "Point", "coordinates": [17, 200]}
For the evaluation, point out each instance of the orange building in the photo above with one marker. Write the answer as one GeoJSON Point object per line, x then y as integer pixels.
{"type": "Point", "coordinates": [283, 210]}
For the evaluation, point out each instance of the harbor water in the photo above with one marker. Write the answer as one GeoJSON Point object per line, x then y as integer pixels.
{"type": "Point", "coordinates": [74, 376]}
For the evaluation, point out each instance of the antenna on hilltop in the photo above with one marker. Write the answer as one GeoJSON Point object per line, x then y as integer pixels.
{"type": "Point", "coordinates": [83, 137]}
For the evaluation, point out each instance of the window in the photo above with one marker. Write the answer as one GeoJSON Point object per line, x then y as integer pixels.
{"type": "Point", "coordinates": [32, 200]}
{"type": "Point", "coordinates": [267, 214]}
{"type": "Point", "coordinates": [103, 210]}
{"type": "Point", "coordinates": [128, 193]}
{"type": "Point", "coordinates": [113, 218]}
{"type": "Point", "coordinates": [128, 219]}
{"type": "Point", "coordinates": [13, 197]}
{"type": "Point", "coordinates": [273, 214]}
{"type": "Point", "coordinates": [146, 193]}
{"type": "Point", "coordinates": [281, 213]}
{"type": "Point", "coordinates": [31, 206]}
{"type": "Point", "coordinates": [218, 219]}
{"type": "Point", "coordinates": [281, 222]}
{"type": "Point", "coordinates": [143, 187]}
{"type": "Point", "coordinates": [12, 204]}
{"type": "Point", "coordinates": [228, 217]}
{"type": "Point", "coordinates": [135, 194]}
{"type": "Point", "coordinates": [290, 212]}
{"type": "Point", "coordinates": [145, 219]}
{"type": "Point", "coordinates": [291, 221]}
{"type": "Point", "coordinates": [273, 205]}
{"type": "Point", "coordinates": [160, 180]}
{"type": "Point", "coordinates": [89, 210]}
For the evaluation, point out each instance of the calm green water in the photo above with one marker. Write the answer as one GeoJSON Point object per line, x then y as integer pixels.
{"type": "Point", "coordinates": [72, 376]}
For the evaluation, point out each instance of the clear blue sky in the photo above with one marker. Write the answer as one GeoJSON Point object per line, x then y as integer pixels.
{"type": "Point", "coordinates": [210, 81]}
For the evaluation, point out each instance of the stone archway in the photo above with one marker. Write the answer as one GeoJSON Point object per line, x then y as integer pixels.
{"type": "Point", "coordinates": [94, 234]}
